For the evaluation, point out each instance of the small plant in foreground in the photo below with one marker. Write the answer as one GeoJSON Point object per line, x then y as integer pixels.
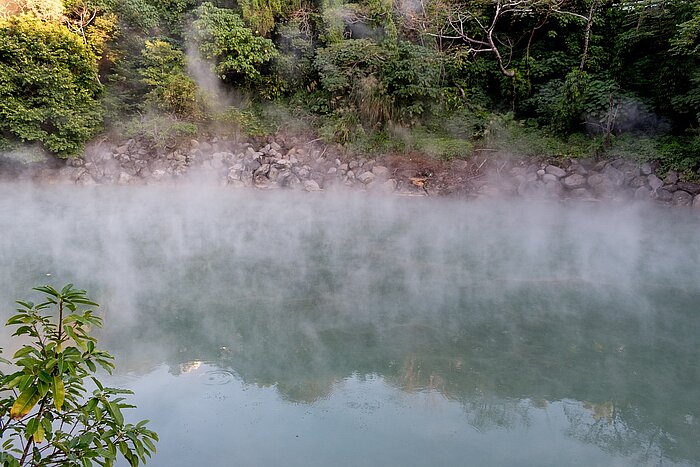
{"type": "Point", "coordinates": [48, 416]}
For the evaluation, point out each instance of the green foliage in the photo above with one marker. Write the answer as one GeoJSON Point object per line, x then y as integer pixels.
{"type": "Point", "coordinates": [238, 53]}
{"type": "Point", "coordinates": [440, 146]}
{"type": "Point", "coordinates": [342, 127]}
{"type": "Point", "coordinates": [158, 130]}
{"type": "Point", "coordinates": [260, 14]}
{"type": "Point", "coordinates": [248, 121]}
{"type": "Point", "coordinates": [49, 419]}
{"type": "Point", "coordinates": [681, 154]}
{"type": "Point", "coordinates": [507, 135]}
{"type": "Point", "coordinates": [379, 81]}
{"type": "Point", "coordinates": [48, 85]}
{"type": "Point", "coordinates": [171, 89]}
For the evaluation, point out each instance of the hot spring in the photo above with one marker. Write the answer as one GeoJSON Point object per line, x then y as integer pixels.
{"type": "Point", "coordinates": [266, 329]}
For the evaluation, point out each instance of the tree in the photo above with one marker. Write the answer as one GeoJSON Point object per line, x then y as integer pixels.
{"type": "Point", "coordinates": [238, 53]}
{"type": "Point", "coordinates": [48, 85]}
{"type": "Point", "coordinates": [48, 420]}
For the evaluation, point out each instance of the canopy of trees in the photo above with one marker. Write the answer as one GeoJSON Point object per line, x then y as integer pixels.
{"type": "Point", "coordinates": [596, 68]}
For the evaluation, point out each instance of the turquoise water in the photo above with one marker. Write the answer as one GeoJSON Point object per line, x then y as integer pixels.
{"type": "Point", "coordinates": [275, 329]}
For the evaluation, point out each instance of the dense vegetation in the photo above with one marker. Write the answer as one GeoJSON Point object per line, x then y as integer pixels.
{"type": "Point", "coordinates": [535, 77]}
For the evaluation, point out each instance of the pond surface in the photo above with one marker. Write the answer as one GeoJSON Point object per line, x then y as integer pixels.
{"type": "Point", "coordinates": [272, 329]}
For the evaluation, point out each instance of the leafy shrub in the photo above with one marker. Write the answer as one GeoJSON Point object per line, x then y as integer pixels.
{"type": "Point", "coordinates": [171, 89]}
{"type": "Point", "coordinates": [238, 54]}
{"type": "Point", "coordinates": [247, 121]}
{"type": "Point", "coordinates": [158, 130]}
{"type": "Point", "coordinates": [380, 81]}
{"type": "Point", "coordinates": [48, 419]}
{"type": "Point", "coordinates": [48, 85]}
{"type": "Point", "coordinates": [440, 145]}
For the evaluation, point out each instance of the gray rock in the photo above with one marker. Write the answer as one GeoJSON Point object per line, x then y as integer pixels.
{"type": "Point", "coordinates": [638, 181]}
{"type": "Point", "coordinates": [233, 175]}
{"type": "Point", "coordinates": [556, 171]}
{"type": "Point", "coordinates": [654, 182]}
{"type": "Point", "coordinates": [662, 194]}
{"type": "Point", "coordinates": [86, 180]}
{"type": "Point", "coordinates": [682, 198]}
{"type": "Point", "coordinates": [283, 163]}
{"type": "Point", "coordinates": [692, 188]}
{"type": "Point", "coordinates": [595, 179]}
{"type": "Point", "coordinates": [541, 173]}
{"type": "Point", "coordinates": [642, 192]}
{"type": "Point", "coordinates": [671, 178]}
{"type": "Point", "coordinates": [579, 169]}
{"type": "Point", "coordinates": [574, 181]}
{"type": "Point", "coordinates": [390, 185]}
{"type": "Point", "coordinates": [353, 165]}
{"type": "Point", "coordinates": [531, 189]}
{"type": "Point", "coordinates": [236, 183]}
{"type": "Point", "coordinates": [646, 169]}
{"type": "Point", "coordinates": [553, 188]}
{"type": "Point", "coordinates": [366, 177]}
{"type": "Point", "coordinates": [332, 171]}
{"type": "Point", "coordinates": [614, 175]}
{"type": "Point", "coordinates": [311, 185]}
{"type": "Point", "coordinates": [550, 178]}
{"type": "Point", "coordinates": [670, 188]}
{"type": "Point", "coordinates": [124, 178]}
{"type": "Point", "coordinates": [696, 201]}
{"type": "Point", "coordinates": [580, 193]}
{"type": "Point", "coordinates": [262, 170]}
{"type": "Point", "coordinates": [380, 171]}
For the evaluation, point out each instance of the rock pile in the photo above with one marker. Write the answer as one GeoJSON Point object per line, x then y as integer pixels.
{"type": "Point", "coordinates": [296, 165]}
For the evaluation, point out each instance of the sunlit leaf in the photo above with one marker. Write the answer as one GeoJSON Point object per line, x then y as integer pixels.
{"type": "Point", "coordinates": [25, 402]}
{"type": "Point", "coordinates": [59, 392]}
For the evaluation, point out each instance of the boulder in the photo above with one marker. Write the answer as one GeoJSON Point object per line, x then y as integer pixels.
{"type": "Point", "coordinates": [614, 175]}
{"type": "Point", "coordinates": [692, 188]}
{"type": "Point", "coordinates": [638, 181]}
{"type": "Point", "coordinates": [696, 201]}
{"type": "Point", "coordinates": [574, 181]}
{"type": "Point", "coordinates": [380, 171]}
{"type": "Point", "coordinates": [671, 178]}
{"type": "Point", "coordinates": [682, 198]}
{"type": "Point", "coordinates": [654, 182]}
{"type": "Point", "coordinates": [662, 194]}
{"type": "Point", "coordinates": [642, 192]}
{"type": "Point", "coordinates": [366, 177]}
{"type": "Point", "coordinates": [311, 185]}
{"type": "Point", "coordinates": [390, 185]}
{"type": "Point", "coordinates": [553, 188]}
{"type": "Point", "coordinates": [556, 171]}
{"type": "Point", "coordinates": [595, 179]}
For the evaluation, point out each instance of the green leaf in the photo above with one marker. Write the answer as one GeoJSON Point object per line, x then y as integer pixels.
{"type": "Point", "coordinates": [59, 392]}
{"type": "Point", "coordinates": [24, 403]}
{"type": "Point", "coordinates": [115, 412]}
{"type": "Point", "coordinates": [23, 352]}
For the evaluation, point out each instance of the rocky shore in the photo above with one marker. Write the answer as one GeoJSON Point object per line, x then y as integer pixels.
{"type": "Point", "coordinates": [293, 164]}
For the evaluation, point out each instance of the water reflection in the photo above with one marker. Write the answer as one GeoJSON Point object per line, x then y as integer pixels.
{"type": "Point", "coordinates": [411, 333]}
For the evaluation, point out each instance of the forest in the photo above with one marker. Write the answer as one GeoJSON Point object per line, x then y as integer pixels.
{"type": "Point", "coordinates": [540, 78]}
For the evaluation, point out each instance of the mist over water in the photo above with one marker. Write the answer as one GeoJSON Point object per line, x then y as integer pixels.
{"type": "Point", "coordinates": [364, 330]}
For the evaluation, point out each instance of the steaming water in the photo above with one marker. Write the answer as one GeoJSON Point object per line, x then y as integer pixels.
{"type": "Point", "coordinates": [272, 329]}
